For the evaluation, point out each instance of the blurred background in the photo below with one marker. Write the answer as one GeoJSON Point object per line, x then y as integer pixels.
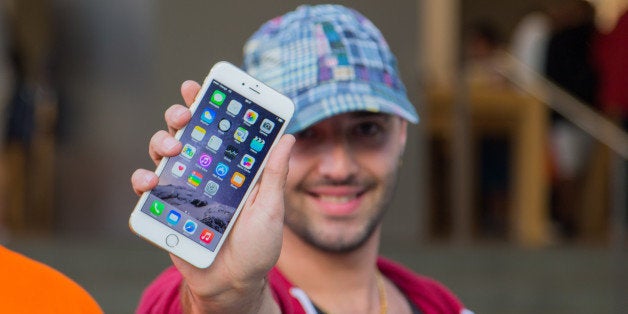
{"type": "Point", "coordinates": [513, 188]}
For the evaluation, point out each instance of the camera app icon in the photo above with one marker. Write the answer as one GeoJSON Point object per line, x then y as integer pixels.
{"type": "Point", "coordinates": [267, 126]}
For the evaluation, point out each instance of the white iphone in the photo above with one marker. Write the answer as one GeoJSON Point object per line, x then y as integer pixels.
{"type": "Point", "coordinates": [236, 120]}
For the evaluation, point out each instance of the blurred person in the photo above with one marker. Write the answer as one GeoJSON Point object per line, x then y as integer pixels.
{"type": "Point", "coordinates": [569, 59]}
{"type": "Point", "coordinates": [611, 51]}
{"type": "Point", "coordinates": [570, 64]}
{"type": "Point", "coordinates": [350, 128]}
{"type": "Point", "coordinates": [29, 286]}
{"type": "Point", "coordinates": [29, 118]}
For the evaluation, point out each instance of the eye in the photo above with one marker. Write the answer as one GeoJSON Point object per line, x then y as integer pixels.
{"type": "Point", "coordinates": [308, 134]}
{"type": "Point", "coordinates": [368, 129]}
{"type": "Point", "coordinates": [308, 141]}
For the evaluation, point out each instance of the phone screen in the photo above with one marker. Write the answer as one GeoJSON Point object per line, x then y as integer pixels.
{"type": "Point", "coordinates": [223, 147]}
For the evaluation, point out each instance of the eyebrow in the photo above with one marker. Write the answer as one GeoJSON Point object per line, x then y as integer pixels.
{"type": "Point", "coordinates": [368, 114]}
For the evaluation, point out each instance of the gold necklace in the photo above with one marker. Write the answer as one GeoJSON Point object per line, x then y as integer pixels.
{"type": "Point", "coordinates": [381, 289]}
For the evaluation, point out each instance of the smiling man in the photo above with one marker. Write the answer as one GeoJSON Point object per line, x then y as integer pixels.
{"type": "Point", "coordinates": [320, 254]}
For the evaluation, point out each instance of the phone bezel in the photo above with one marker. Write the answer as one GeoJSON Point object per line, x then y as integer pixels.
{"type": "Point", "coordinates": [240, 82]}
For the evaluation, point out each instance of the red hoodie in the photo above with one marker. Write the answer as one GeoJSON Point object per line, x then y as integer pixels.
{"type": "Point", "coordinates": [429, 296]}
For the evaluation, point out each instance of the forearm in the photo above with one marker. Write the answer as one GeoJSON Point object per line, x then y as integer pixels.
{"type": "Point", "coordinates": [250, 299]}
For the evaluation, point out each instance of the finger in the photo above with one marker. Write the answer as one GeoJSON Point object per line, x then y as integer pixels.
{"type": "Point", "coordinates": [252, 196]}
{"type": "Point", "coordinates": [143, 180]}
{"type": "Point", "coordinates": [183, 266]}
{"type": "Point", "coordinates": [162, 144]}
{"type": "Point", "coordinates": [274, 175]}
{"type": "Point", "coordinates": [189, 89]}
{"type": "Point", "coordinates": [177, 116]}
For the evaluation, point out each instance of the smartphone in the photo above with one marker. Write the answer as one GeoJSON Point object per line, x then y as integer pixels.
{"type": "Point", "coordinates": [236, 120]}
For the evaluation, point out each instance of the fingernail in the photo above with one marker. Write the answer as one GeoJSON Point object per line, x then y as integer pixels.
{"type": "Point", "coordinates": [170, 143]}
{"type": "Point", "coordinates": [186, 83]}
{"type": "Point", "coordinates": [147, 177]}
{"type": "Point", "coordinates": [178, 113]}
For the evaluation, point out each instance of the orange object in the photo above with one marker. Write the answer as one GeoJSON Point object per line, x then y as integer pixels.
{"type": "Point", "coordinates": [28, 286]}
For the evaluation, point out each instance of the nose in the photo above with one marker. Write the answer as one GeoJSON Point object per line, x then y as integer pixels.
{"type": "Point", "coordinates": [337, 162]}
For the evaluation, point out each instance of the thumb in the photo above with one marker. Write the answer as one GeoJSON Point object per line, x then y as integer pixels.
{"type": "Point", "coordinates": [274, 175]}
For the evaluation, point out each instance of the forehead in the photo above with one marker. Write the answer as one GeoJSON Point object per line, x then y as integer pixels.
{"type": "Point", "coordinates": [356, 116]}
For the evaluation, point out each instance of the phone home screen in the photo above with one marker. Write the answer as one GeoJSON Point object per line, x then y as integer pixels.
{"type": "Point", "coordinates": [223, 146]}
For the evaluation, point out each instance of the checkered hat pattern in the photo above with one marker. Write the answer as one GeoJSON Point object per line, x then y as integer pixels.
{"type": "Point", "coordinates": [330, 60]}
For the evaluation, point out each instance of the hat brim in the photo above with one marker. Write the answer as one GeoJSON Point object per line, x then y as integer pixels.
{"type": "Point", "coordinates": [334, 98]}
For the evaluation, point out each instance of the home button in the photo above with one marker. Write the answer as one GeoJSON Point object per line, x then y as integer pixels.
{"type": "Point", "coordinates": [172, 240]}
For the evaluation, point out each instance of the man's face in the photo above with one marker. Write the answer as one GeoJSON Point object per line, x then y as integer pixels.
{"type": "Point", "coordinates": [342, 175]}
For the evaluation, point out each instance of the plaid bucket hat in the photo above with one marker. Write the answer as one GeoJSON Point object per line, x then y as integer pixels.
{"type": "Point", "coordinates": [329, 60]}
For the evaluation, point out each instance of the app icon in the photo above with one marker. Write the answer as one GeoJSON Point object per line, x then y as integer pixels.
{"type": "Point", "coordinates": [178, 169]}
{"type": "Point", "coordinates": [204, 160]}
{"type": "Point", "coordinates": [157, 208]}
{"type": "Point", "coordinates": [237, 179]}
{"type": "Point", "coordinates": [211, 188]}
{"type": "Point", "coordinates": [218, 98]}
{"type": "Point", "coordinates": [190, 226]}
{"type": "Point", "coordinates": [267, 126]}
{"type": "Point", "coordinates": [257, 144]}
{"type": "Point", "coordinates": [206, 236]}
{"type": "Point", "coordinates": [250, 116]}
{"type": "Point", "coordinates": [214, 143]}
{"type": "Point", "coordinates": [224, 125]}
{"type": "Point", "coordinates": [240, 134]}
{"type": "Point", "coordinates": [198, 133]}
{"type": "Point", "coordinates": [188, 151]}
{"type": "Point", "coordinates": [247, 161]}
{"type": "Point", "coordinates": [221, 170]}
{"type": "Point", "coordinates": [173, 217]}
{"type": "Point", "coordinates": [208, 116]}
{"type": "Point", "coordinates": [231, 152]}
{"type": "Point", "coordinates": [234, 107]}
{"type": "Point", "coordinates": [195, 178]}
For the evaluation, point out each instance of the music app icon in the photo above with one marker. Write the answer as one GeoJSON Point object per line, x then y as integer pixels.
{"type": "Point", "coordinates": [205, 160]}
{"type": "Point", "coordinates": [206, 236]}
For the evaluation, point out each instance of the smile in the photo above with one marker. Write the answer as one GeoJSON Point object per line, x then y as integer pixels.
{"type": "Point", "coordinates": [338, 201]}
{"type": "Point", "coordinates": [334, 199]}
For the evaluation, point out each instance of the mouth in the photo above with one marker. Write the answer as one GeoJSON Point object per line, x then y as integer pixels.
{"type": "Point", "coordinates": [337, 201]}
{"type": "Point", "coordinates": [333, 199]}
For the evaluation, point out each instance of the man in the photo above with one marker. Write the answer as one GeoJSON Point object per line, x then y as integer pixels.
{"type": "Point", "coordinates": [350, 128]}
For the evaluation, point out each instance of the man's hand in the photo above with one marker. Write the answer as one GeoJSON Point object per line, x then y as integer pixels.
{"type": "Point", "coordinates": [235, 282]}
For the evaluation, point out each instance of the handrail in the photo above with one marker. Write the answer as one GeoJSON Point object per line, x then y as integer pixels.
{"type": "Point", "coordinates": [595, 125]}
{"type": "Point", "coordinates": [573, 109]}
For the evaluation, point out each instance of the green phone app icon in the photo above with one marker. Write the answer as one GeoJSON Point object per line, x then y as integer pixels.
{"type": "Point", "coordinates": [157, 208]}
{"type": "Point", "coordinates": [218, 98]}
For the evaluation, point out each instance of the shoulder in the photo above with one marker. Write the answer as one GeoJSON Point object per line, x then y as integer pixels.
{"type": "Point", "coordinates": [34, 284]}
{"type": "Point", "coordinates": [428, 294]}
{"type": "Point", "coordinates": [162, 295]}
{"type": "Point", "coordinates": [290, 298]}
